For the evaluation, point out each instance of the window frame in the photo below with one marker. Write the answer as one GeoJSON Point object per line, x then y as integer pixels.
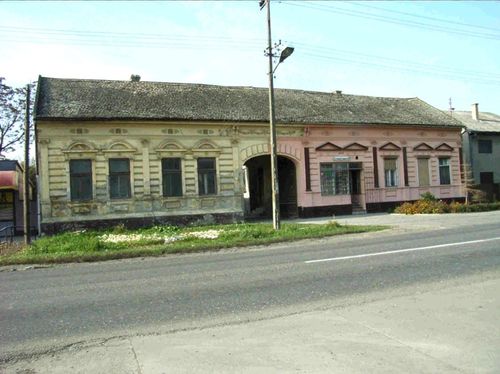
{"type": "Point", "coordinates": [485, 146]}
{"type": "Point", "coordinates": [125, 175]}
{"type": "Point", "coordinates": [204, 189]}
{"type": "Point", "coordinates": [486, 177]}
{"type": "Point", "coordinates": [393, 173]}
{"type": "Point", "coordinates": [442, 181]}
{"type": "Point", "coordinates": [339, 174]}
{"type": "Point", "coordinates": [79, 176]}
{"type": "Point", "coordinates": [177, 175]}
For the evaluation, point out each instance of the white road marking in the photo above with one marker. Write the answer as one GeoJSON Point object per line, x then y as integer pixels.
{"type": "Point", "coordinates": [402, 250]}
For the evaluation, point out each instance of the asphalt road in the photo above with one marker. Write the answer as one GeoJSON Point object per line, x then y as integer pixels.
{"type": "Point", "coordinates": [43, 308]}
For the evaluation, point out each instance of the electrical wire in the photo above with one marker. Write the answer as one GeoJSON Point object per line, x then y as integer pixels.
{"type": "Point", "coordinates": [106, 39]}
{"type": "Point", "coordinates": [433, 19]}
{"type": "Point", "coordinates": [381, 18]}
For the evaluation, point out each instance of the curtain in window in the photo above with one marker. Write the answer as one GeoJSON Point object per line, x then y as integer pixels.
{"type": "Point", "coordinates": [80, 176]}
{"type": "Point", "coordinates": [207, 184]}
{"type": "Point", "coordinates": [119, 178]}
{"type": "Point", "coordinates": [334, 178]}
{"type": "Point", "coordinates": [172, 177]}
{"type": "Point", "coordinates": [444, 171]}
{"type": "Point", "coordinates": [423, 172]}
{"type": "Point", "coordinates": [390, 172]}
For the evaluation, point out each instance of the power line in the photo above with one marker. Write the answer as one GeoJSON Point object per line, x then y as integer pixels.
{"type": "Point", "coordinates": [385, 19]}
{"type": "Point", "coordinates": [309, 49]}
{"type": "Point", "coordinates": [434, 19]}
{"type": "Point", "coordinates": [16, 34]}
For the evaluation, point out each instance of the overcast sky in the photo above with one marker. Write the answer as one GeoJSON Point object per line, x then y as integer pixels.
{"type": "Point", "coordinates": [431, 50]}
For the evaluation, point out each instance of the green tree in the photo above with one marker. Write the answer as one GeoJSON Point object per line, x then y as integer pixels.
{"type": "Point", "coordinates": [12, 115]}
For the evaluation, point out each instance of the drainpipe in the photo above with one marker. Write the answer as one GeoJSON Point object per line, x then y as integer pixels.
{"type": "Point", "coordinates": [472, 136]}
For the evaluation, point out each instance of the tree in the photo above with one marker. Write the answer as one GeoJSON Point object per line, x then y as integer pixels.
{"type": "Point", "coordinates": [12, 116]}
{"type": "Point", "coordinates": [473, 192]}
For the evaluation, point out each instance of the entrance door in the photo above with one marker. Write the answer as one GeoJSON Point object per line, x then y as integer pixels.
{"type": "Point", "coordinates": [355, 185]}
{"type": "Point", "coordinates": [288, 188]}
{"type": "Point", "coordinates": [260, 187]}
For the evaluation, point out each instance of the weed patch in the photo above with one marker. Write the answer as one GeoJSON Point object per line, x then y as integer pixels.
{"type": "Point", "coordinates": [85, 246]}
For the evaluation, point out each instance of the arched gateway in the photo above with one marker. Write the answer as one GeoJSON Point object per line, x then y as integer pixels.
{"type": "Point", "coordinates": [258, 189]}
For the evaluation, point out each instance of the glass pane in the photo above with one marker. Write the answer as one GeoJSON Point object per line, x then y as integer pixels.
{"type": "Point", "coordinates": [485, 146]}
{"type": "Point", "coordinates": [444, 161]}
{"type": "Point", "coordinates": [119, 165]}
{"type": "Point", "coordinates": [172, 184]}
{"type": "Point", "coordinates": [327, 179]}
{"type": "Point", "coordinates": [341, 177]}
{"type": "Point", "coordinates": [211, 183]}
{"type": "Point", "coordinates": [81, 187]}
{"type": "Point", "coordinates": [119, 186]}
{"type": "Point", "coordinates": [390, 178]}
{"type": "Point", "coordinates": [124, 185]}
{"type": "Point", "coordinates": [206, 183]}
{"type": "Point", "coordinates": [444, 174]}
{"type": "Point", "coordinates": [80, 166]}
{"type": "Point", "coordinates": [206, 163]}
{"type": "Point", "coordinates": [171, 164]}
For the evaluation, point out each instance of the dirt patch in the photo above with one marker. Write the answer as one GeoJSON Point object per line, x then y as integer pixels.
{"type": "Point", "coordinates": [9, 248]}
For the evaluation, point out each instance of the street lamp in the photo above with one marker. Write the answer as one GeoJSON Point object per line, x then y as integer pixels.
{"type": "Point", "coordinates": [272, 127]}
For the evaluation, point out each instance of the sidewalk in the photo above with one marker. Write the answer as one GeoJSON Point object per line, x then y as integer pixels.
{"type": "Point", "coordinates": [449, 327]}
{"type": "Point", "coordinates": [410, 222]}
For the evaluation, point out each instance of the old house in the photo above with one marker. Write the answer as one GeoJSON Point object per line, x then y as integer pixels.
{"type": "Point", "coordinates": [481, 148]}
{"type": "Point", "coordinates": [139, 153]}
{"type": "Point", "coordinates": [12, 199]}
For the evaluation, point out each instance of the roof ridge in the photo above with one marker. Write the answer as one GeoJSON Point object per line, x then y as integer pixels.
{"type": "Point", "coordinates": [213, 85]}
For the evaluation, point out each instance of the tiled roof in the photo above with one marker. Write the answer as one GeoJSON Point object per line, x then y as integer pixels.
{"type": "Point", "coordinates": [74, 99]}
{"type": "Point", "coordinates": [488, 122]}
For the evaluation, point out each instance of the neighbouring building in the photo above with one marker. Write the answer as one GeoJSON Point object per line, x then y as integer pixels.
{"type": "Point", "coordinates": [140, 153]}
{"type": "Point", "coordinates": [481, 148]}
{"type": "Point", "coordinates": [12, 198]}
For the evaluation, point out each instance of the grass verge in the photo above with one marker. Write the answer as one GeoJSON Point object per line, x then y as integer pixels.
{"type": "Point", "coordinates": [88, 246]}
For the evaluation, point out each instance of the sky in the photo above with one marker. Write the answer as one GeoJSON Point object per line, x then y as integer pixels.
{"type": "Point", "coordinates": [434, 50]}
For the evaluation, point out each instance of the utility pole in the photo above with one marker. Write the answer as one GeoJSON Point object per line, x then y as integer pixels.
{"type": "Point", "coordinates": [26, 205]}
{"type": "Point", "coordinates": [284, 54]}
{"type": "Point", "coordinates": [272, 128]}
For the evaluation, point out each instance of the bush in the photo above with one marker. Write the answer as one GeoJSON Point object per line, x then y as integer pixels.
{"type": "Point", "coordinates": [430, 205]}
{"type": "Point", "coordinates": [423, 206]}
{"type": "Point", "coordinates": [427, 196]}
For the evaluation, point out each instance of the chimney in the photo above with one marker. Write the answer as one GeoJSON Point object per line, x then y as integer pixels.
{"type": "Point", "coordinates": [475, 112]}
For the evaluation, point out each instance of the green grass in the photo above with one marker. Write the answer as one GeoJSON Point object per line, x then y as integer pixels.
{"type": "Point", "coordinates": [87, 246]}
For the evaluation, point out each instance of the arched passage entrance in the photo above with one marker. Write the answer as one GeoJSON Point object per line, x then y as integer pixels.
{"type": "Point", "coordinates": [258, 198]}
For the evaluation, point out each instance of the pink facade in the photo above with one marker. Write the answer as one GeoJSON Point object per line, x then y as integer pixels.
{"type": "Point", "coordinates": [372, 168]}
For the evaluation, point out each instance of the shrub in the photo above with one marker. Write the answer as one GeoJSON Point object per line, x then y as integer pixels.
{"type": "Point", "coordinates": [430, 205]}
{"type": "Point", "coordinates": [423, 206]}
{"type": "Point", "coordinates": [427, 196]}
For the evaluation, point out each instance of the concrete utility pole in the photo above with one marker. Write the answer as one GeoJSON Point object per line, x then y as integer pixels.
{"type": "Point", "coordinates": [272, 128]}
{"type": "Point", "coordinates": [26, 205]}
